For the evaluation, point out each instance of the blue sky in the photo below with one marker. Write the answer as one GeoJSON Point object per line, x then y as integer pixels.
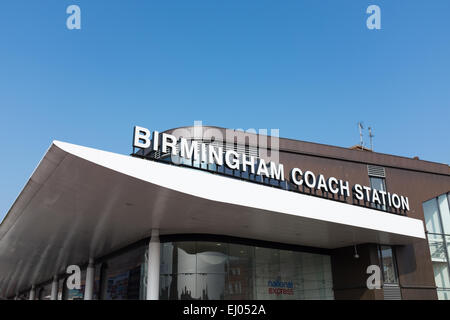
{"type": "Point", "coordinates": [310, 68]}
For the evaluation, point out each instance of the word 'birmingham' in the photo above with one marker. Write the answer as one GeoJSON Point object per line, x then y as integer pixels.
{"type": "Point", "coordinates": [207, 153]}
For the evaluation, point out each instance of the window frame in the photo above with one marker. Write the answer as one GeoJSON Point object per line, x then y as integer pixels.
{"type": "Point", "coordinates": [394, 262]}
{"type": "Point", "coordinates": [443, 234]}
{"type": "Point", "coordinates": [384, 207]}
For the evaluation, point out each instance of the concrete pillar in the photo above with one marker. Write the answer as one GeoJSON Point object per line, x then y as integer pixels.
{"type": "Point", "coordinates": [154, 255]}
{"type": "Point", "coordinates": [89, 287]}
{"type": "Point", "coordinates": [32, 293]}
{"type": "Point", "coordinates": [54, 293]}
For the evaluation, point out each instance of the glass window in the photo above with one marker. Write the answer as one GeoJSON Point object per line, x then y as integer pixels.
{"type": "Point", "coordinates": [378, 184]}
{"type": "Point", "coordinates": [61, 285]}
{"type": "Point", "coordinates": [388, 265]}
{"type": "Point", "coordinates": [437, 248]}
{"type": "Point", "coordinates": [97, 281]}
{"type": "Point", "coordinates": [211, 270]}
{"type": "Point", "coordinates": [267, 272]}
{"type": "Point", "coordinates": [177, 271]}
{"type": "Point", "coordinates": [183, 258]}
{"type": "Point", "coordinates": [212, 266]}
{"type": "Point", "coordinates": [212, 167]}
{"type": "Point", "coordinates": [432, 219]}
{"type": "Point", "coordinates": [23, 296]}
{"type": "Point", "coordinates": [229, 171]}
{"type": "Point", "coordinates": [437, 221]}
{"type": "Point", "coordinates": [443, 294]}
{"type": "Point", "coordinates": [441, 274]}
{"type": "Point", "coordinates": [123, 275]}
{"type": "Point", "coordinates": [445, 213]}
{"type": "Point", "coordinates": [240, 272]}
{"type": "Point", "coordinates": [45, 292]}
{"type": "Point", "coordinates": [293, 275]}
{"type": "Point", "coordinates": [212, 257]}
{"type": "Point", "coordinates": [447, 241]}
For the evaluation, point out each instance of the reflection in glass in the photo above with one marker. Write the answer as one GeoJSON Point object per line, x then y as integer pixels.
{"type": "Point", "coordinates": [212, 257]}
{"type": "Point", "coordinates": [443, 294]}
{"type": "Point", "coordinates": [211, 286]}
{"type": "Point", "coordinates": [185, 287]}
{"type": "Point", "coordinates": [61, 284]}
{"type": "Point", "coordinates": [432, 220]}
{"type": "Point", "coordinates": [437, 248]}
{"type": "Point", "coordinates": [45, 292]}
{"type": "Point", "coordinates": [210, 270]}
{"type": "Point", "coordinates": [388, 261]}
{"type": "Point", "coordinates": [97, 279]}
{"type": "Point", "coordinates": [380, 185]}
{"type": "Point", "coordinates": [437, 220]}
{"type": "Point", "coordinates": [123, 276]}
{"type": "Point", "coordinates": [240, 272]}
{"type": "Point", "coordinates": [441, 274]}
{"type": "Point", "coordinates": [447, 240]}
{"type": "Point", "coordinates": [445, 213]}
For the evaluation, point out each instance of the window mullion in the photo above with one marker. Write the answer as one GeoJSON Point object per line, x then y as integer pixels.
{"type": "Point", "coordinates": [443, 234]}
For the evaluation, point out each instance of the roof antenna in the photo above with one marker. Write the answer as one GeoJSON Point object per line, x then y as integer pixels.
{"type": "Point", "coordinates": [371, 136]}
{"type": "Point", "coordinates": [360, 126]}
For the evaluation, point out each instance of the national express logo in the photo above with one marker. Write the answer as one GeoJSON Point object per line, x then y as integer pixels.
{"type": "Point", "coordinates": [278, 287]}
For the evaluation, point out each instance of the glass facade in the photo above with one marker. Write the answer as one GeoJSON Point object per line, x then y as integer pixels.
{"type": "Point", "coordinates": [437, 221]}
{"type": "Point", "coordinates": [215, 270]}
{"type": "Point", "coordinates": [206, 270]}
{"type": "Point", "coordinates": [120, 277]}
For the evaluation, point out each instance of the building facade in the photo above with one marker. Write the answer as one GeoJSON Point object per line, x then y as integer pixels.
{"type": "Point", "coordinates": [256, 218]}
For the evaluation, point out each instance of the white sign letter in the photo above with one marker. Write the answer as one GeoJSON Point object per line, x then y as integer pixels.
{"type": "Point", "coordinates": [141, 134]}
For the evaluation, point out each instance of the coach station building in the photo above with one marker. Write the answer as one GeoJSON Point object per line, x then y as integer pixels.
{"type": "Point", "coordinates": [212, 213]}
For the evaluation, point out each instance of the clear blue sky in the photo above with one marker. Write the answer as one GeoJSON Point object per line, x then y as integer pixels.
{"type": "Point", "coordinates": [308, 67]}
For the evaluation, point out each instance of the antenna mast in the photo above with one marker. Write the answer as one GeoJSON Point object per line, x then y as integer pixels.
{"type": "Point", "coordinates": [371, 136]}
{"type": "Point", "coordinates": [360, 126]}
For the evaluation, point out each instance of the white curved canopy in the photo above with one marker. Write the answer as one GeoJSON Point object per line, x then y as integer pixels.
{"type": "Point", "coordinates": [82, 202]}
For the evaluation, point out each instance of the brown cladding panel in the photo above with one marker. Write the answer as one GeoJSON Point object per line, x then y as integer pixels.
{"type": "Point", "coordinates": [419, 294]}
{"type": "Point", "coordinates": [349, 273]}
{"type": "Point", "coordinates": [357, 294]}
